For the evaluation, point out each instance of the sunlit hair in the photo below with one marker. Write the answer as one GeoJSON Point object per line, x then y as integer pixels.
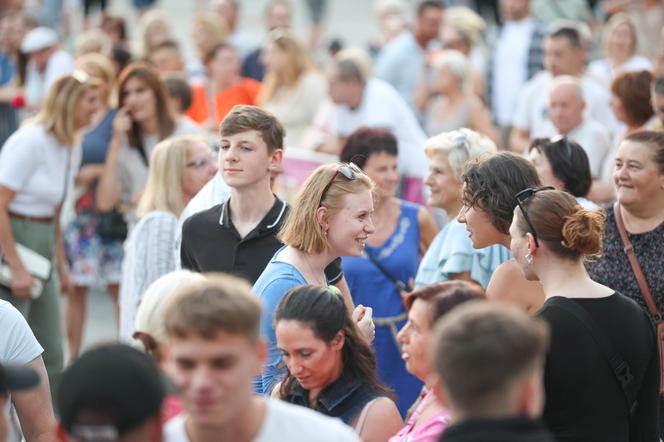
{"type": "Point", "coordinates": [325, 313]}
{"type": "Point", "coordinates": [58, 113]}
{"type": "Point", "coordinates": [149, 320]}
{"type": "Point", "coordinates": [301, 228]}
{"type": "Point", "coordinates": [214, 32]}
{"type": "Point", "coordinates": [100, 67]}
{"type": "Point", "coordinates": [298, 63]}
{"type": "Point", "coordinates": [460, 146]}
{"type": "Point", "coordinates": [466, 23]}
{"type": "Point", "coordinates": [152, 20]}
{"type": "Point", "coordinates": [220, 303]}
{"type": "Point", "coordinates": [458, 65]}
{"type": "Point", "coordinates": [610, 27]}
{"type": "Point", "coordinates": [165, 119]}
{"type": "Point", "coordinates": [163, 190]}
{"type": "Point", "coordinates": [93, 41]}
{"type": "Point", "coordinates": [562, 225]}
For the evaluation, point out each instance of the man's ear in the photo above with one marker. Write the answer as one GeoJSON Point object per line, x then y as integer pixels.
{"type": "Point", "coordinates": [275, 161]}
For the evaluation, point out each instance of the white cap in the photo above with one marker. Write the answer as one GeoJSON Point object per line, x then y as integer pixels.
{"type": "Point", "coordinates": [38, 39]}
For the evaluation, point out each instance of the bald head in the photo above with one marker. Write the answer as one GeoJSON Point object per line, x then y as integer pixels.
{"type": "Point", "coordinates": [566, 103]}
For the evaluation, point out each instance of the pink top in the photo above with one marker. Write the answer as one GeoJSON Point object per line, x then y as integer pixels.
{"type": "Point", "coordinates": [427, 431]}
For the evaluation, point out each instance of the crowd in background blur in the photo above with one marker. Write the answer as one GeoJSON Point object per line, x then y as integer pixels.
{"type": "Point", "coordinates": [500, 143]}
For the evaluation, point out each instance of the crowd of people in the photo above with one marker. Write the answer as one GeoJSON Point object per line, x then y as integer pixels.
{"type": "Point", "coordinates": [474, 255]}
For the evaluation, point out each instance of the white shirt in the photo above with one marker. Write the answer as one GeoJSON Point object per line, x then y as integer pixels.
{"type": "Point", "coordinates": [38, 83]}
{"type": "Point", "coordinates": [383, 107]}
{"type": "Point", "coordinates": [510, 67]}
{"type": "Point", "coordinates": [33, 163]}
{"type": "Point", "coordinates": [18, 345]}
{"type": "Point", "coordinates": [603, 72]}
{"type": "Point", "coordinates": [532, 111]}
{"type": "Point", "coordinates": [594, 139]}
{"type": "Point", "coordinates": [283, 422]}
{"type": "Point", "coordinates": [215, 191]}
{"type": "Point", "coordinates": [148, 255]}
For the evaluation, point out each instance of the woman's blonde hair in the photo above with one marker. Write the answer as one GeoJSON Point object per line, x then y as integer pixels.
{"type": "Point", "coordinates": [214, 29]}
{"type": "Point", "coordinates": [458, 65]}
{"type": "Point", "coordinates": [150, 314]}
{"type": "Point", "coordinates": [298, 63]}
{"type": "Point", "coordinates": [93, 41]}
{"type": "Point", "coordinates": [460, 146]}
{"type": "Point", "coordinates": [101, 67]}
{"type": "Point", "coordinates": [163, 190]}
{"type": "Point", "coordinates": [611, 26]}
{"type": "Point", "coordinates": [58, 113]}
{"type": "Point", "coordinates": [152, 19]}
{"type": "Point", "coordinates": [467, 23]}
{"type": "Point", "coordinates": [301, 228]}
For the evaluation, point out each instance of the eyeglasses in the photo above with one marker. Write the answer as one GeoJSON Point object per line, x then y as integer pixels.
{"type": "Point", "coordinates": [521, 197]}
{"type": "Point", "coordinates": [199, 163]}
{"type": "Point", "coordinates": [348, 171]}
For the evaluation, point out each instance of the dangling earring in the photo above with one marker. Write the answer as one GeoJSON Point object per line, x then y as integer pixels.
{"type": "Point", "coordinates": [529, 258]}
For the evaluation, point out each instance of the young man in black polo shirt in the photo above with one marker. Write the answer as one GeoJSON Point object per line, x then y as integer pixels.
{"type": "Point", "coordinates": [239, 235]}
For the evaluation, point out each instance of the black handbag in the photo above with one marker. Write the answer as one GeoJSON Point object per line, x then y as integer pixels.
{"type": "Point", "coordinates": [112, 225]}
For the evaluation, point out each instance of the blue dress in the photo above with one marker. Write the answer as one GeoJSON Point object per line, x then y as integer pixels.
{"type": "Point", "coordinates": [399, 255]}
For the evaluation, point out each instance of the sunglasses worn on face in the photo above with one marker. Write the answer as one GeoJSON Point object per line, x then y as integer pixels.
{"type": "Point", "coordinates": [348, 171]}
{"type": "Point", "coordinates": [521, 197]}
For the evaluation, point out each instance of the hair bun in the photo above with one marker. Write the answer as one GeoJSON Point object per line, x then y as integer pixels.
{"type": "Point", "coordinates": [583, 231]}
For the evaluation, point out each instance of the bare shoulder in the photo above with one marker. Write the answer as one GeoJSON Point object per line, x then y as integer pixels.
{"type": "Point", "coordinates": [382, 421]}
{"type": "Point", "coordinates": [508, 284]}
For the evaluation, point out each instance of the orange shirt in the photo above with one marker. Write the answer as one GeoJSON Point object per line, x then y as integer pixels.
{"type": "Point", "coordinates": [244, 92]}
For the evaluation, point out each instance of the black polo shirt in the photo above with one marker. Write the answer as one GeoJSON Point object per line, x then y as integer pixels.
{"type": "Point", "coordinates": [210, 243]}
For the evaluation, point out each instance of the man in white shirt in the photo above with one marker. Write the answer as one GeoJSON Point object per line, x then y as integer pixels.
{"type": "Point", "coordinates": [18, 346]}
{"type": "Point", "coordinates": [407, 49]}
{"type": "Point", "coordinates": [566, 105]}
{"type": "Point", "coordinates": [214, 350]}
{"type": "Point", "coordinates": [516, 57]}
{"type": "Point", "coordinates": [362, 101]}
{"type": "Point", "coordinates": [46, 63]}
{"type": "Point", "coordinates": [564, 54]}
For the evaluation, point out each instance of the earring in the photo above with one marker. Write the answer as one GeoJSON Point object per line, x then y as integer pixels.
{"type": "Point", "coordinates": [529, 258]}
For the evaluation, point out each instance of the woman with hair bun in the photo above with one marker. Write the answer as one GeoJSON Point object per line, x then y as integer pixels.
{"type": "Point", "coordinates": [590, 323]}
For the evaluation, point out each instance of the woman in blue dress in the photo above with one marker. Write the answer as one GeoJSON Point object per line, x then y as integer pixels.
{"type": "Point", "coordinates": [391, 255]}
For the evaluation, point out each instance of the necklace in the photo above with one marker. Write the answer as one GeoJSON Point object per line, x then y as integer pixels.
{"type": "Point", "coordinates": [316, 278]}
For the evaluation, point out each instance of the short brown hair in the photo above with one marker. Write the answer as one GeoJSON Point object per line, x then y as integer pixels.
{"type": "Point", "coordinates": [654, 140]}
{"type": "Point", "coordinates": [481, 349]}
{"type": "Point", "coordinates": [491, 184]}
{"type": "Point", "coordinates": [301, 228]}
{"type": "Point", "coordinates": [633, 90]}
{"type": "Point", "coordinates": [244, 118]}
{"type": "Point", "coordinates": [221, 303]}
{"type": "Point", "coordinates": [442, 297]}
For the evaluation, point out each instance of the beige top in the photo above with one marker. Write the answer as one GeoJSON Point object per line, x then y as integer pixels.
{"type": "Point", "coordinates": [296, 106]}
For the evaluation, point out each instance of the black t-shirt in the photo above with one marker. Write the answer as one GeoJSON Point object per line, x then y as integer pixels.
{"type": "Point", "coordinates": [584, 401]}
{"type": "Point", "coordinates": [210, 243]}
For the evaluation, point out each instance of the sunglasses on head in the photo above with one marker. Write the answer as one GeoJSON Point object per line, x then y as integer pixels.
{"type": "Point", "coordinates": [348, 171]}
{"type": "Point", "coordinates": [521, 197]}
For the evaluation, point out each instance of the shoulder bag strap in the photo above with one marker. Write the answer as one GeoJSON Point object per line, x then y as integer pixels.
{"type": "Point", "coordinates": [636, 268]}
{"type": "Point", "coordinates": [619, 366]}
{"type": "Point", "coordinates": [400, 284]}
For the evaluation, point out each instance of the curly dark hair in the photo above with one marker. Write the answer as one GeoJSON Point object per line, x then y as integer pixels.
{"type": "Point", "coordinates": [491, 184]}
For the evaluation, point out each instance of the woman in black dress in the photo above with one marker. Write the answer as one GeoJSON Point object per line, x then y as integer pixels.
{"type": "Point", "coordinates": [591, 324]}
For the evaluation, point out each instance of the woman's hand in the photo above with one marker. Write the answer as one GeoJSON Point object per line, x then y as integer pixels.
{"type": "Point", "coordinates": [122, 121]}
{"type": "Point", "coordinates": [363, 316]}
{"type": "Point", "coordinates": [22, 282]}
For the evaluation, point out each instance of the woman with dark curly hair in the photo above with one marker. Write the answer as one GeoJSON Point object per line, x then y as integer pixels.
{"type": "Point", "coordinates": [331, 367]}
{"type": "Point", "coordinates": [488, 205]}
